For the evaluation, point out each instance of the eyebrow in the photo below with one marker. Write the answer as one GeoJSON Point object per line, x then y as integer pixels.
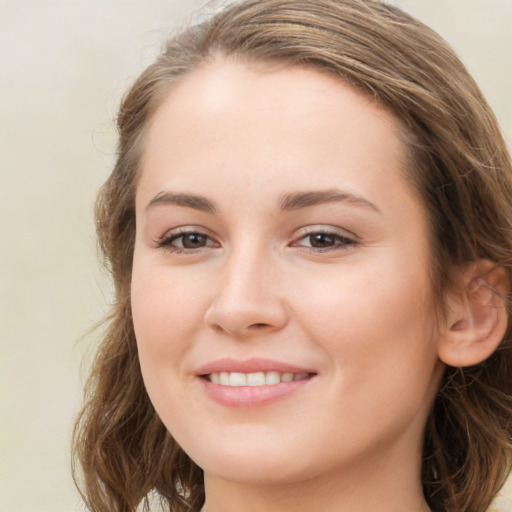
{"type": "Point", "coordinates": [298, 200]}
{"type": "Point", "coordinates": [193, 201]}
{"type": "Point", "coordinates": [292, 201]}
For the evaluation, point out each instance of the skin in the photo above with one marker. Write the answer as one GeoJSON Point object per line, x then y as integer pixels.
{"type": "Point", "coordinates": [358, 311]}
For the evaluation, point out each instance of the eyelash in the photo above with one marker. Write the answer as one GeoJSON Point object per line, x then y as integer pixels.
{"type": "Point", "coordinates": [340, 242]}
{"type": "Point", "coordinates": [166, 242]}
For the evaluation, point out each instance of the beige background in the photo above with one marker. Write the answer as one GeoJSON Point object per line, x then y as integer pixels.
{"type": "Point", "coordinates": [63, 68]}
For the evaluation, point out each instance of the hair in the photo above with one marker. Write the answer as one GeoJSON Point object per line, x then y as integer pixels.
{"type": "Point", "coordinates": [461, 169]}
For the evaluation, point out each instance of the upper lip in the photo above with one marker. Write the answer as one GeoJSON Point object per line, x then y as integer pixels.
{"type": "Point", "coordinates": [253, 365]}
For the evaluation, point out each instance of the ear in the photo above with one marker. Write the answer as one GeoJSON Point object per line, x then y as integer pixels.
{"type": "Point", "coordinates": [477, 315]}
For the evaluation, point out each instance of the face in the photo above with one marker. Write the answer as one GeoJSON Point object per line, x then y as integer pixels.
{"type": "Point", "coordinates": [281, 295]}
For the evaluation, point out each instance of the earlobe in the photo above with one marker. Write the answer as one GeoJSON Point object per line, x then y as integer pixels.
{"type": "Point", "coordinates": [477, 315]}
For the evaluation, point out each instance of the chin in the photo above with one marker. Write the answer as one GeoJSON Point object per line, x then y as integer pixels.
{"type": "Point", "coordinates": [253, 463]}
{"type": "Point", "coordinates": [265, 473]}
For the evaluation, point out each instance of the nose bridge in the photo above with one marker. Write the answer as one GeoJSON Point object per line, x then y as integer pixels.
{"type": "Point", "coordinates": [248, 298]}
{"type": "Point", "coordinates": [246, 272]}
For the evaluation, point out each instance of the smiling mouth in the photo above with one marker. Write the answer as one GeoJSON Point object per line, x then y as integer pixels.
{"type": "Point", "coordinates": [239, 379]}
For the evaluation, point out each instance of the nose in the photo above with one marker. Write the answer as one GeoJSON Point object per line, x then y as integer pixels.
{"type": "Point", "coordinates": [249, 298]}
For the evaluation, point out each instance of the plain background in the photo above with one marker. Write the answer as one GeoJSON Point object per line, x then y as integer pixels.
{"type": "Point", "coordinates": [64, 66]}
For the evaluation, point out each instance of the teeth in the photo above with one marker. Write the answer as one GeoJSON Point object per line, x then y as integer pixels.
{"type": "Point", "coordinates": [256, 379]}
{"type": "Point", "coordinates": [237, 379]}
{"type": "Point", "coordinates": [287, 377]}
{"type": "Point", "coordinates": [272, 378]}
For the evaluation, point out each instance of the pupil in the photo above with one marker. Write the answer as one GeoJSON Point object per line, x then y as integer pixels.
{"type": "Point", "coordinates": [322, 240]}
{"type": "Point", "coordinates": [193, 241]}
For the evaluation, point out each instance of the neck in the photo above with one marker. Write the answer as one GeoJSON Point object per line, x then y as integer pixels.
{"type": "Point", "coordinates": [379, 489]}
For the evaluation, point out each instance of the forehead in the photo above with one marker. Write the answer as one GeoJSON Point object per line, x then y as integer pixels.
{"type": "Point", "coordinates": [270, 126]}
{"type": "Point", "coordinates": [252, 92]}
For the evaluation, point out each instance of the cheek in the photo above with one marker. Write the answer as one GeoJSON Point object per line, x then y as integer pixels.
{"type": "Point", "coordinates": [166, 316]}
{"type": "Point", "coordinates": [378, 331]}
{"type": "Point", "coordinates": [374, 316]}
{"type": "Point", "coordinates": [166, 319]}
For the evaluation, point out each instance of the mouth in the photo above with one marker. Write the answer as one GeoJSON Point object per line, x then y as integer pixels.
{"type": "Point", "coordinates": [252, 382]}
{"type": "Point", "coordinates": [269, 378]}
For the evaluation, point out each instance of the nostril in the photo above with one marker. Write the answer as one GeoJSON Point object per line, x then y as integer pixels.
{"type": "Point", "coordinates": [245, 318]}
{"type": "Point", "coordinates": [258, 326]}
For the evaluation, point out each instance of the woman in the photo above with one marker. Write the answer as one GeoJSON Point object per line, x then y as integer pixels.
{"type": "Point", "coordinates": [309, 230]}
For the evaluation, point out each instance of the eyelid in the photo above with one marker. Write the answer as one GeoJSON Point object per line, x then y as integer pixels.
{"type": "Point", "coordinates": [164, 242]}
{"type": "Point", "coordinates": [345, 238]}
{"type": "Point", "coordinates": [349, 239]}
{"type": "Point", "coordinates": [323, 228]}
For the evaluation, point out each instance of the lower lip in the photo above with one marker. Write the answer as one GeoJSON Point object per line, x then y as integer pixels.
{"type": "Point", "coordinates": [251, 396]}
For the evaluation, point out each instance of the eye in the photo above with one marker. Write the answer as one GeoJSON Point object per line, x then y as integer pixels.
{"type": "Point", "coordinates": [190, 240]}
{"type": "Point", "coordinates": [324, 240]}
{"type": "Point", "coordinates": [186, 240]}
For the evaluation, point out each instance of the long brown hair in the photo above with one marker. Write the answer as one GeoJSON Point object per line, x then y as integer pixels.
{"type": "Point", "coordinates": [461, 169]}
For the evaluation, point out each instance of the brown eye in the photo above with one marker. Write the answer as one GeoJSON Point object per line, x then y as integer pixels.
{"type": "Point", "coordinates": [192, 240]}
{"type": "Point", "coordinates": [186, 241]}
{"type": "Point", "coordinates": [322, 240]}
